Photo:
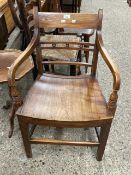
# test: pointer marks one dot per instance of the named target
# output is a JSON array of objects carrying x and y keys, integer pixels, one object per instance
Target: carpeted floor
[{"x": 66, "y": 160}]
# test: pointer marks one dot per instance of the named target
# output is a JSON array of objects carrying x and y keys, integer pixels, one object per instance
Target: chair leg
[
  {"x": 11, "y": 118},
  {"x": 46, "y": 66},
  {"x": 105, "y": 129},
  {"x": 23, "y": 42},
  {"x": 72, "y": 70},
  {"x": 32, "y": 130},
  {"x": 24, "y": 127},
  {"x": 86, "y": 39},
  {"x": 35, "y": 70},
  {"x": 52, "y": 68},
  {"x": 79, "y": 59}
]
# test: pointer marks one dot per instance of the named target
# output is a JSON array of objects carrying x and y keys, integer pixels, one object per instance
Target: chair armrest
[
  {"x": 114, "y": 70},
  {"x": 12, "y": 70}
]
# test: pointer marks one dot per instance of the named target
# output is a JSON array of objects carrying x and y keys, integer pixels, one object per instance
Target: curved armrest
[
  {"x": 109, "y": 62},
  {"x": 12, "y": 70},
  {"x": 112, "y": 103}
]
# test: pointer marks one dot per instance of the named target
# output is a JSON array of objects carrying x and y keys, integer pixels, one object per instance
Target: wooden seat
[
  {"x": 58, "y": 97},
  {"x": 66, "y": 101}
]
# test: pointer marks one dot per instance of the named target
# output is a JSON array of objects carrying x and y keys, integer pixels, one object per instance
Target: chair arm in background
[{"x": 14, "y": 67}]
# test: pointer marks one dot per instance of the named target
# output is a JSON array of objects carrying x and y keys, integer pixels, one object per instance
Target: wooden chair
[
  {"x": 7, "y": 58},
  {"x": 16, "y": 14},
  {"x": 66, "y": 101}
]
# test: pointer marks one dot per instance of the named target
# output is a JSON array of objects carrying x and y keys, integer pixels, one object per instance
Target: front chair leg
[
  {"x": 24, "y": 127},
  {"x": 16, "y": 103},
  {"x": 105, "y": 129},
  {"x": 11, "y": 118}
]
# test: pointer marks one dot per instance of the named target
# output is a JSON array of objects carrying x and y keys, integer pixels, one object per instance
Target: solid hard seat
[
  {"x": 56, "y": 54},
  {"x": 58, "y": 97},
  {"x": 7, "y": 57}
]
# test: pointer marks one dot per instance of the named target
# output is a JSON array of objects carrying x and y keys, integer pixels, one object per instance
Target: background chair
[
  {"x": 25, "y": 11},
  {"x": 66, "y": 101},
  {"x": 7, "y": 58}
]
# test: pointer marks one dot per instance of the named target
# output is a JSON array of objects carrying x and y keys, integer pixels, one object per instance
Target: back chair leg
[
  {"x": 105, "y": 129},
  {"x": 35, "y": 70},
  {"x": 86, "y": 39},
  {"x": 72, "y": 70},
  {"x": 24, "y": 127},
  {"x": 79, "y": 59}
]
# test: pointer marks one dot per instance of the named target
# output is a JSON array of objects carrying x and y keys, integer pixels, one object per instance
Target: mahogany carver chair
[
  {"x": 66, "y": 101},
  {"x": 7, "y": 58}
]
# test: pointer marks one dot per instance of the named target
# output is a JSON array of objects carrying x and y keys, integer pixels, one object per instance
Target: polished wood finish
[
  {"x": 3, "y": 32},
  {"x": 58, "y": 20},
  {"x": 66, "y": 101},
  {"x": 83, "y": 90}
]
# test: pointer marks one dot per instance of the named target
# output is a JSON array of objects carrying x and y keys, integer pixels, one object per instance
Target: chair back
[{"x": 67, "y": 20}]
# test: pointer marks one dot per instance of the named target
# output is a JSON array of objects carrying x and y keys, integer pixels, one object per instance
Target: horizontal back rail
[
  {"x": 68, "y": 45},
  {"x": 68, "y": 48},
  {"x": 68, "y": 20},
  {"x": 73, "y": 43}
]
